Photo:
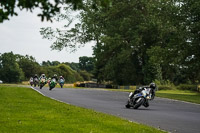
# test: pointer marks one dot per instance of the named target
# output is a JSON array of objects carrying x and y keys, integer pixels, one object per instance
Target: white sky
[{"x": 21, "y": 35}]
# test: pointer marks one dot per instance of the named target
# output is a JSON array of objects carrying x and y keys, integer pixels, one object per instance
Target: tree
[
  {"x": 65, "y": 71},
  {"x": 74, "y": 66},
  {"x": 48, "y": 8},
  {"x": 28, "y": 65},
  {"x": 9, "y": 69},
  {"x": 86, "y": 63},
  {"x": 139, "y": 41}
]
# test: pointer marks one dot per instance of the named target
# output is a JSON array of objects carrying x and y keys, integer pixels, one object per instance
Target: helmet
[
  {"x": 61, "y": 76},
  {"x": 43, "y": 75},
  {"x": 35, "y": 74},
  {"x": 152, "y": 85},
  {"x": 55, "y": 75}
]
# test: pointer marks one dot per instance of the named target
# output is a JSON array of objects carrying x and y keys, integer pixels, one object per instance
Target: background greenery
[
  {"x": 138, "y": 41},
  {"x": 15, "y": 68}
]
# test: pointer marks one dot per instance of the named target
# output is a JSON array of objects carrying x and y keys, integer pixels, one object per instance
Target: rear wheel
[{"x": 138, "y": 103}]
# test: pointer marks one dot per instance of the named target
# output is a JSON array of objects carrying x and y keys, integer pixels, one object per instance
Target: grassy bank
[
  {"x": 188, "y": 96},
  {"x": 24, "y": 110}
]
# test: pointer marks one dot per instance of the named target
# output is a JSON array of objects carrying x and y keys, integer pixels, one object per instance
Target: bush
[
  {"x": 165, "y": 87},
  {"x": 187, "y": 87}
]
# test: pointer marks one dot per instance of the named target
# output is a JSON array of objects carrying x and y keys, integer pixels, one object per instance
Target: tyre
[
  {"x": 128, "y": 104},
  {"x": 41, "y": 86},
  {"x": 146, "y": 104},
  {"x": 138, "y": 103}
]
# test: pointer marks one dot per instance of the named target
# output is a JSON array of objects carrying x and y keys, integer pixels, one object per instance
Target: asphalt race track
[{"x": 170, "y": 115}]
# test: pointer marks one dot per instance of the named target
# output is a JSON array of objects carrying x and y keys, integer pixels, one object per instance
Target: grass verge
[
  {"x": 188, "y": 96},
  {"x": 24, "y": 110}
]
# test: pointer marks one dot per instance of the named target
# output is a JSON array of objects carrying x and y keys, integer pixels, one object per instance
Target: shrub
[
  {"x": 187, "y": 87},
  {"x": 165, "y": 87}
]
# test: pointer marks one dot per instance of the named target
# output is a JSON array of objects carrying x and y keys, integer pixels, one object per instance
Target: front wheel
[
  {"x": 146, "y": 103},
  {"x": 128, "y": 104},
  {"x": 138, "y": 103},
  {"x": 41, "y": 86},
  {"x": 61, "y": 85}
]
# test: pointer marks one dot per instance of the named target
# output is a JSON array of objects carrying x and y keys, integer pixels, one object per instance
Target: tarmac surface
[{"x": 165, "y": 114}]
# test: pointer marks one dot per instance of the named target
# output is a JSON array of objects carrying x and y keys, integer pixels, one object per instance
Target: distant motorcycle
[
  {"x": 31, "y": 82},
  {"x": 140, "y": 97},
  {"x": 42, "y": 82},
  {"x": 52, "y": 84},
  {"x": 35, "y": 82},
  {"x": 61, "y": 82}
]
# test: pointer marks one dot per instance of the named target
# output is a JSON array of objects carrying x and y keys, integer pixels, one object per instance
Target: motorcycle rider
[
  {"x": 153, "y": 89},
  {"x": 35, "y": 76},
  {"x": 55, "y": 77},
  {"x": 48, "y": 81},
  {"x": 35, "y": 80},
  {"x": 42, "y": 76},
  {"x": 61, "y": 77},
  {"x": 31, "y": 81},
  {"x": 152, "y": 86}
]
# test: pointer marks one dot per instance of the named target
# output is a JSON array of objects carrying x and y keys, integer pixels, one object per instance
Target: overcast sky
[{"x": 21, "y": 35}]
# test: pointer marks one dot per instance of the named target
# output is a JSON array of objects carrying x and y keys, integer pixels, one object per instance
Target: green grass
[
  {"x": 188, "y": 96},
  {"x": 24, "y": 110}
]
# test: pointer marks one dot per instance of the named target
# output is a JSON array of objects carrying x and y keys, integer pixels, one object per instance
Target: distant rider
[
  {"x": 42, "y": 76},
  {"x": 55, "y": 77},
  {"x": 36, "y": 76},
  {"x": 48, "y": 81},
  {"x": 31, "y": 81},
  {"x": 61, "y": 78}
]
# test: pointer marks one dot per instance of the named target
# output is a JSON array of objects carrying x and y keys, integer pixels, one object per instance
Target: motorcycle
[
  {"x": 52, "y": 84},
  {"x": 42, "y": 82},
  {"x": 35, "y": 82},
  {"x": 31, "y": 82},
  {"x": 61, "y": 82},
  {"x": 140, "y": 97}
]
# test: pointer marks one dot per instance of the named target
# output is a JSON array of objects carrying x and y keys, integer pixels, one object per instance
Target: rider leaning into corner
[{"x": 152, "y": 86}]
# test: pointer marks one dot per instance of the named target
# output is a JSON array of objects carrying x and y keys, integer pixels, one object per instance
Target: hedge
[{"x": 187, "y": 87}]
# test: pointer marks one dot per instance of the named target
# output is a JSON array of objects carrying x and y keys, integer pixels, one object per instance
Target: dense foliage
[
  {"x": 16, "y": 68},
  {"x": 139, "y": 41},
  {"x": 48, "y": 8}
]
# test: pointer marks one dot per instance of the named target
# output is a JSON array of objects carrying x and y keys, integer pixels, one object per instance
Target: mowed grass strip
[
  {"x": 24, "y": 110},
  {"x": 188, "y": 96}
]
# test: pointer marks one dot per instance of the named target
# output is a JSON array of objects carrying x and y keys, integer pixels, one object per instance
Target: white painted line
[
  {"x": 38, "y": 91},
  {"x": 178, "y": 100},
  {"x": 48, "y": 96}
]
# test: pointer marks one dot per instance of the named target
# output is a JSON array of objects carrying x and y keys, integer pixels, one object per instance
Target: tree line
[
  {"x": 15, "y": 68},
  {"x": 138, "y": 41}
]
